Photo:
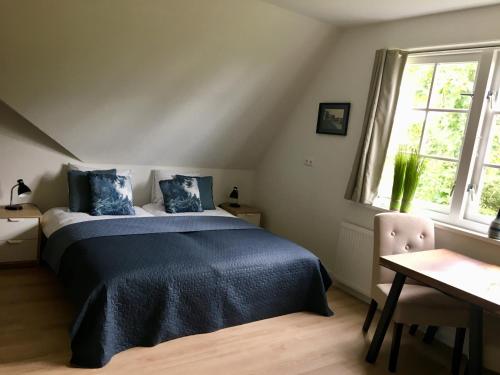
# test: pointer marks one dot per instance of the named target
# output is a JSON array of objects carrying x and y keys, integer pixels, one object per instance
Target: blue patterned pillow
[
  {"x": 110, "y": 195},
  {"x": 205, "y": 184},
  {"x": 181, "y": 195},
  {"x": 79, "y": 189}
]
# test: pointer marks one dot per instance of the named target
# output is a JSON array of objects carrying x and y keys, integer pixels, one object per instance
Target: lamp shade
[
  {"x": 234, "y": 194},
  {"x": 22, "y": 189},
  {"x": 233, "y": 197}
]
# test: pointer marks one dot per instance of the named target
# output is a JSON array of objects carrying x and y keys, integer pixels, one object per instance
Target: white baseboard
[{"x": 351, "y": 291}]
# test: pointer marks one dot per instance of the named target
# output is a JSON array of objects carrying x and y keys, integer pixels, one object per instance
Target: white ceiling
[{"x": 355, "y": 12}]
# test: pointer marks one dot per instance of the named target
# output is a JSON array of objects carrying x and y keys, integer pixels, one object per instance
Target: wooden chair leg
[
  {"x": 457, "y": 350},
  {"x": 413, "y": 329},
  {"x": 369, "y": 316},
  {"x": 429, "y": 334},
  {"x": 396, "y": 343}
]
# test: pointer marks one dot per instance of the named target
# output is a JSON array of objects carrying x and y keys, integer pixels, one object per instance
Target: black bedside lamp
[
  {"x": 233, "y": 197},
  {"x": 22, "y": 190}
]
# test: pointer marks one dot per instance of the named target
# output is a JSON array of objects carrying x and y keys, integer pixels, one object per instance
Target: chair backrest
[{"x": 398, "y": 233}]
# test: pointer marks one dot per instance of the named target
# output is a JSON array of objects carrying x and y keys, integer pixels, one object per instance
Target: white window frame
[
  {"x": 490, "y": 112},
  {"x": 477, "y": 133}
]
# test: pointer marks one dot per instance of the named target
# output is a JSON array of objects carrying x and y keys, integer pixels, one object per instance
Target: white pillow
[
  {"x": 164, "y": 174},
  {"x": 84, "y": 168}
]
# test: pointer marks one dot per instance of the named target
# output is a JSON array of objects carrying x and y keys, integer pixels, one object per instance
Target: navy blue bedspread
[{"x": 142, "y": 281}]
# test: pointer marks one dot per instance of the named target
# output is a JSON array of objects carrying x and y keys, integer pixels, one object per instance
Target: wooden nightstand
[
  {"x": 247, "y": 213},
  {"x": 20, "y": 236}
]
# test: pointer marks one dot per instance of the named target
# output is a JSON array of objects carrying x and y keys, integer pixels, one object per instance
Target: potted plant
[
  {"x": 414, "y": 168},
  {"x": 400, "y": 162}
]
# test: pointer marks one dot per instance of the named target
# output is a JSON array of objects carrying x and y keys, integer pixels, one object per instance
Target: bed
[{"x": 142, "y": 280}]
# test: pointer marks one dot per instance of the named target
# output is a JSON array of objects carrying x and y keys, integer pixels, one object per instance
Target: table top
[
  {"x": 243, "y": 209},
  {"x": 29, "y": 211},
  {"x": 452, "y": 273}
]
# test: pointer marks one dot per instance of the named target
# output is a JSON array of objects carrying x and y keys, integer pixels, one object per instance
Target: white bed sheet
[
  {"x": 58, "y": 217},
  {"x": 158, "y": 209}
]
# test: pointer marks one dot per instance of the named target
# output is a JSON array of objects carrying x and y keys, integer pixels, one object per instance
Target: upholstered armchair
[{"x": 397, "y": 233}]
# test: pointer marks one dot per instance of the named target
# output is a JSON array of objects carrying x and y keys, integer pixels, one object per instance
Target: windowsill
[
  {"x": 447, "y": 227},
  {"x": 466, "y": 232}
]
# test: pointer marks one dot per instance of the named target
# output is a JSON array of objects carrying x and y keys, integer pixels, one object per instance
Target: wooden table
[{"x": 456, "y": 275}]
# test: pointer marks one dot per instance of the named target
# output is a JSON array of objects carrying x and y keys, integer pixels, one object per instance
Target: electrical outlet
[{"x": 308, "y": 162}]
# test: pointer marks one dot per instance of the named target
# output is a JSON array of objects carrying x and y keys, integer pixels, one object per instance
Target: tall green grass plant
[
  {"x": 400, "y": 163},
  {"x": 415, "y": 166}
]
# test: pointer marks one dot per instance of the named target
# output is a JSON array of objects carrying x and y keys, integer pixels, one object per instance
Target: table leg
[
  {"x": 476, "y": 341},
  {"x": 385, "y": 319}
]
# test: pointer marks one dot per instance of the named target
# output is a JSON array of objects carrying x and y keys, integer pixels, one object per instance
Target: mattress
[
  {"x": 58, "y": 217},
  {"x": 158, "y": 209}
]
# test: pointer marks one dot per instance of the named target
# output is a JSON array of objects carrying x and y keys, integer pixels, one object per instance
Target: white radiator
[{"x": 352, "y": 265}]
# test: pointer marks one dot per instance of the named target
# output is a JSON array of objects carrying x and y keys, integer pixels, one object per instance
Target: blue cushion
[
  {"x": 110, "y": 195},
  {"x": 79, "y": 189},
  {"x": 181, "y": 194},
  {"x": 205, "y": 185}
]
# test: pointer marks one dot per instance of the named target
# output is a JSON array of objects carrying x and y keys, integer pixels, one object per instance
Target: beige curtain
[{"x": 380, "y": 109}]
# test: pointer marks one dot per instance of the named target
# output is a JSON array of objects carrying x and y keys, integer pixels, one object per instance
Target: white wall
[
  {"x": 169, "y": 82},
  {"x": 190, "y": 83},
  {"x": 306, "y": 204},
  {"x": 26, "y": 152}
]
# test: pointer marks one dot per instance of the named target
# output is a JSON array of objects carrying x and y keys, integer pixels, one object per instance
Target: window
[
  {"x": 448, "y": 110},
  {"x": 484, "y": 188}
]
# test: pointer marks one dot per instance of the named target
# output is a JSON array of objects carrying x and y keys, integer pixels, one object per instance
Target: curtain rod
[{"x": 452, "y": 48}]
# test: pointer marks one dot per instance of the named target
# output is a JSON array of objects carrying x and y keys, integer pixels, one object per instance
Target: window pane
[
  {"x": 489, "y": 202},
  {"x": 452, "y": 80},
  {"x": 385, "y": 186},
  {"x": 407, "y": 129},
  {"x": 415, "y": 86},
  {"x": 493, "y": 154},
  {"x": 444, "y": 132},
  {"x": 437, "y": 181}
]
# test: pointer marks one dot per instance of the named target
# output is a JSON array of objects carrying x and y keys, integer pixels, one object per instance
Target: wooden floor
[{"x": 34, "y": 321}]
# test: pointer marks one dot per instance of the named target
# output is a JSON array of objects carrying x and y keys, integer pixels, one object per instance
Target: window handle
[
  {"x": 467, "y": 94},
  {"x": 491, "y": 96},
  {"x": 471, "y": 189}
]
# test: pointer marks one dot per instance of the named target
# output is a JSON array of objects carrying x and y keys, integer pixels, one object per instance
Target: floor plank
[{"x": 35, "y": 316}]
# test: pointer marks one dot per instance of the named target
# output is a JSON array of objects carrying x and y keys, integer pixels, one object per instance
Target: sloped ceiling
[
  {"x": 158, "y": 82},
  {"x": 356, "y": 12}
]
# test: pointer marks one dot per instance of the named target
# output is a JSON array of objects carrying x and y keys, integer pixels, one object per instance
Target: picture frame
[{"x": 333, "y": 118}]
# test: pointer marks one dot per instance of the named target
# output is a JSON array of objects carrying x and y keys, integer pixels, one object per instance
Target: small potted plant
[
  {"x": 400, "y": 162},
  {"x": 415, "y": 166}
]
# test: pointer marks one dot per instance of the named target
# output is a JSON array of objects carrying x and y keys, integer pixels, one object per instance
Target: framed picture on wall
[{"x": 333, "y": 118}]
